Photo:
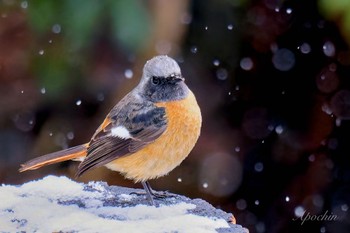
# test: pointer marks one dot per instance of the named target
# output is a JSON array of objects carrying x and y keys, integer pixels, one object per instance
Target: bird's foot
[
  {"x": 156, "y": 194},
  {"x": 151, "y": 193},
  {"x": 162, "y": 194}
]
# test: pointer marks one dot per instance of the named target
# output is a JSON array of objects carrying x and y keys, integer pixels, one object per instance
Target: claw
[{"x": 151, "y": 193}]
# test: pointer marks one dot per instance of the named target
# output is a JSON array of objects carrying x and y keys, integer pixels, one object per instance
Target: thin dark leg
[
  {"x": 149, "y": 193},
  {"x": 156, "y": 194}
]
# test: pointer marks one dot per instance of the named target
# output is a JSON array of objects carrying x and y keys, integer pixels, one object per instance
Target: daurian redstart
[{"x": 146, "y": 135}]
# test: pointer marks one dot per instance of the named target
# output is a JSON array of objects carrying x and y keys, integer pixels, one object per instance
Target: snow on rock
[{"x": 58, "y": 204}]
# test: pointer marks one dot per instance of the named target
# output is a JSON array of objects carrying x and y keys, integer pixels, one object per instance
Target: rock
[
  {"x": 58, "y": 204},
  {"x": 202, "y": 208}
]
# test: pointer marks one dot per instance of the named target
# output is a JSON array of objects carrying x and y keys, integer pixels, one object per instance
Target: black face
[{"x": 162, "y": 89}]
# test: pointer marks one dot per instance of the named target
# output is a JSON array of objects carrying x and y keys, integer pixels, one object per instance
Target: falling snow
[
  {"x": 194, "y": 49},
  {"x": 279, "y": 129},
  {"x": 205, "y": 185},
  {"x": 128, "y": 73},
  {"x": 216, "y": 62}
]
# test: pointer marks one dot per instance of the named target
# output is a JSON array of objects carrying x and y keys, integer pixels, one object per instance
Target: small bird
[{"x": 146, "y": 135}]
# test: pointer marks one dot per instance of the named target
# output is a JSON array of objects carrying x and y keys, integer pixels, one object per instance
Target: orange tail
[{"x": 55, "y": 157}]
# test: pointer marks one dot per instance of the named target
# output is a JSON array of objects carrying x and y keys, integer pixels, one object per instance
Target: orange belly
[{"x": 170, "y": 149}]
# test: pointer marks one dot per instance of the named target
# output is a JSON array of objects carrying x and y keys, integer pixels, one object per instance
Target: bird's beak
[{"x": 178, "y": 78}]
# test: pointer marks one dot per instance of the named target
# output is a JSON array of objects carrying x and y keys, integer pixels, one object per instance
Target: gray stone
[{"x": 203, "y": 208}]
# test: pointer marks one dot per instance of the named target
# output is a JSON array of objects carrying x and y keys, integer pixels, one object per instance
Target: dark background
[{"x": 272, "y": 79}]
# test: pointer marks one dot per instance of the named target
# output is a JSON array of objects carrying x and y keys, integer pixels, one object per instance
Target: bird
[{"x": 148, "y": 133}]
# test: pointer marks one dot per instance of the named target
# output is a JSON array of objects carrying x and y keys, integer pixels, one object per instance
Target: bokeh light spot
[
  {"x": 24, "y": 121},
  {"x": 299, "y": 211},
  {"x": 241, "y": 204},
  {"x": 283, "y": 59},
  {"x": 305, "y": 48},
  {"x": 246, "y": 63},
  {"x": 56, "y": 28},
  {"x": 327, "y": 81},
  {"x": 259, "y": 167},
  {"x": 329, "y": 49},
  {"x": 24, "y": 4},
  {"x": 340, "y": 104},
  {"x": 221, "y": 74},
  {"x": 220, "y": 174}
]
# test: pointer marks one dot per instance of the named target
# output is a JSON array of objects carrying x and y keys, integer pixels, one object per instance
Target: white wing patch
[{"x": 120, "y": 132}]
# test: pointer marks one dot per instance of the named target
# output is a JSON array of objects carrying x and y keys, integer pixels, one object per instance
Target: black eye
[{"x": 155, "y": 80}]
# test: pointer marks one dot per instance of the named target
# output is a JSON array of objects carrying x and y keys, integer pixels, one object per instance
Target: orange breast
[{"x": 170, "y": 149}]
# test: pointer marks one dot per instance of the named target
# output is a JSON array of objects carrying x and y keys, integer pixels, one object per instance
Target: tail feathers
[{"x": 73, "y": 153}]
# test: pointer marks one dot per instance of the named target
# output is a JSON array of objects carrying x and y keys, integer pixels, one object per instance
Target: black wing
[{"x": 145, "y": 123}]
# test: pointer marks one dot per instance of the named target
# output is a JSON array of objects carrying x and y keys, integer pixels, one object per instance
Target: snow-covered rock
[{"x": 58, "y": 204}]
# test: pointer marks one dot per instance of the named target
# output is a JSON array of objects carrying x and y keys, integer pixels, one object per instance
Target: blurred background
[{"x": 272, "y": 78}]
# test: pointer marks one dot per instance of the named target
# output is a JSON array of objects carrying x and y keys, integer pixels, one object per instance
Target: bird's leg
[
  {"x": 154, "y": 193},
  {"x": 149, "y": 192},
  {"x": 161, "y": 194}
]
